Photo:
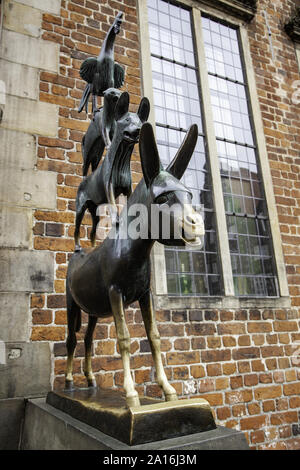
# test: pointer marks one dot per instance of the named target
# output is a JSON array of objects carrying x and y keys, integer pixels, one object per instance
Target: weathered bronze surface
[
  {"x": 102, "y": 72},
  {"x": 107, "y": 411},
  {"x": 113, "y": 177},
  {"x": 106, "y": 280},
  {"x": 100, "y": 131}
]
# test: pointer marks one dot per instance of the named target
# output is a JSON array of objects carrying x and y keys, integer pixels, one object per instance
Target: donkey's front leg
[
  {"x": 116, "y": 301},
  {"x": 147, "y": 310}
]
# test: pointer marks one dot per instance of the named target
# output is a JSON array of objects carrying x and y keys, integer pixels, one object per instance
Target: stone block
[
  {"x": 14, "y": 317},
  {"x": 20, "y": 80},
  {"x": 22, "y": 18},
  {"x": 18, "y": 150},
  {"x": 27, "y": 370},
  {"x": 47, "y": 428},
  {"x": 28, "y": 188},
  {"x": 26, "y": 271},
  {"x": 15, "y": 227},
  {"x": 27, "y": 50},
  {"x": 34, "y": 117},
  {"x": 50, "y": 6},
  {"x": 12, "y": 413}
]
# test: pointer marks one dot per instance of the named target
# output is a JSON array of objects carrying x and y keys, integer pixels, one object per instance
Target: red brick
[
  {"x": 223, "y": 413},
  {"x": 214, "y": 399},
  {"x": 255, "y": 422},
  {"x": 214, "y": 369},
  {"x": 216, "y": 355},
  {"x": 291, "y": 388},
  {"x": 259, "y": 327},
  {"x": 267, "y": 392},
  {"x": 183, "y": 358},
  {"x": 197, "y": 371},
  {"x": 47, "y": 333},
  {"x": 284, "y": 418},
  {"x": 231, "y": 329},
  {"x": 238, "y": 396}
]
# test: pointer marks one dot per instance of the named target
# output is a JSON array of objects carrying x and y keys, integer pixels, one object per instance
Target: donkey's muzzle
[
  {"x": 193, "y": 229},
  {"x": 132, "y": 137}
]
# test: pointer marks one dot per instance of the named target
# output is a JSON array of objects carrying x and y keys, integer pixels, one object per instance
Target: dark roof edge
[{"x": 242, "y": 9}]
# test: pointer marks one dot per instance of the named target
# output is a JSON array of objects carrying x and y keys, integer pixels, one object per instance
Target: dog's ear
[
  {"x": 122, "y": 106},
  {"x": 144, "y": 109}
]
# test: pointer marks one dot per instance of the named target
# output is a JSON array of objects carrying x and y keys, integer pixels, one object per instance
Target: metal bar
[
  {"x": 226, "y": 78},
  {"x": 235, "y": 142},
  {"x": 174, "y": 128},
  {"x": 173, "y": 61}
]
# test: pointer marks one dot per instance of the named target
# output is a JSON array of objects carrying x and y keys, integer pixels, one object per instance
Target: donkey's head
[
  {"x": 169, "y": 201},
  {"x": 129, "y": 124}
]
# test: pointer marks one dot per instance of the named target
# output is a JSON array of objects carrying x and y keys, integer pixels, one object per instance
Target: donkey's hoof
[
  {"x": 92, "y": 383},
  {"x": 69, "y": 385},
  {"x": 133, "y": 401},
  {"x": 171, "y": 397}
]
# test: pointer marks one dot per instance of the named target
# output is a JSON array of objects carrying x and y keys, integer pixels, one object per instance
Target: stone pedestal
[{"x": 48, "y": 428}]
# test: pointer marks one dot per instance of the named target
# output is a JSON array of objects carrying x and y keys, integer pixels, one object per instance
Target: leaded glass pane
[
  {"x": 178, "y": 106},
  {"x": 247, "y": 217}
]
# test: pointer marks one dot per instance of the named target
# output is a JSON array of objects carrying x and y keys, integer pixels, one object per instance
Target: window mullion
[
  {"x": 159, "y": 279},
  {"x": 213, "y": 158}
]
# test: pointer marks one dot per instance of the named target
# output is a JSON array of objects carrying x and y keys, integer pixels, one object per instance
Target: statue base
[
  {"x": 107, "y": 411},
  {"x": 47, "y": 428}
]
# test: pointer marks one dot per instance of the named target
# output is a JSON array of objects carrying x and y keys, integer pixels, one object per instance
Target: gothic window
[{"x": 198, "y": 76}]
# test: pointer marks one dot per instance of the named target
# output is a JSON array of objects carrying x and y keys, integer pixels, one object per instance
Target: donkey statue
[
  {"x": 106, "y": 280},
  {"x": 100, "y": 131},
  {"x": 113, "y": 176}
]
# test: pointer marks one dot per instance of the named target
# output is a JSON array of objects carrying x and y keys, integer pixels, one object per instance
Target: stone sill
[
  {"x": 235, "y": 8},
  {"x": 181, "y": 303}
]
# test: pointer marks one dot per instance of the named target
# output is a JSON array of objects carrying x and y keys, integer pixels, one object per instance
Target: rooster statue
[{"x": 102, "y": 72}]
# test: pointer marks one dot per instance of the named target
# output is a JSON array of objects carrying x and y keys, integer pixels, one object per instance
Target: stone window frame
[
  {"x": 297, "y": 46},
  {"x": 159, "y": 280}
]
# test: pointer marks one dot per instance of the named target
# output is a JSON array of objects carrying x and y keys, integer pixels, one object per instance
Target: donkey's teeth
[{"x": 192, "y": 242}]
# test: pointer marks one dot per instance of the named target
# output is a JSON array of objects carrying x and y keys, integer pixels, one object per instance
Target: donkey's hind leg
[
  {"x": 146, "y": 304},
  {"x": 88, "y": 343},
  {"x": 74, "y": 321}
]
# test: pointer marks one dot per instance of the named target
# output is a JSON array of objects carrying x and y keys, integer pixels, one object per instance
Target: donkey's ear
[
  {"x": 122, "y": 106},
  {"x": 144, "y": 109},
  {"x": 149, "y": 154},
  {"x": 182, "y": 158}
]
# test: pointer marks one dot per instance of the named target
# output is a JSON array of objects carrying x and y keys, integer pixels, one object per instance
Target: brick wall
[{"x": 241, "y": 361}]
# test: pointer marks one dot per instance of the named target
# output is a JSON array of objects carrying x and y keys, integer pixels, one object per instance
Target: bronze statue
[
  {"x": 113, "y": 177},
  {"x": 106, "y": 280},
  {"x": 102, "y": 72},
  {"x": 100, "y": 132}
]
